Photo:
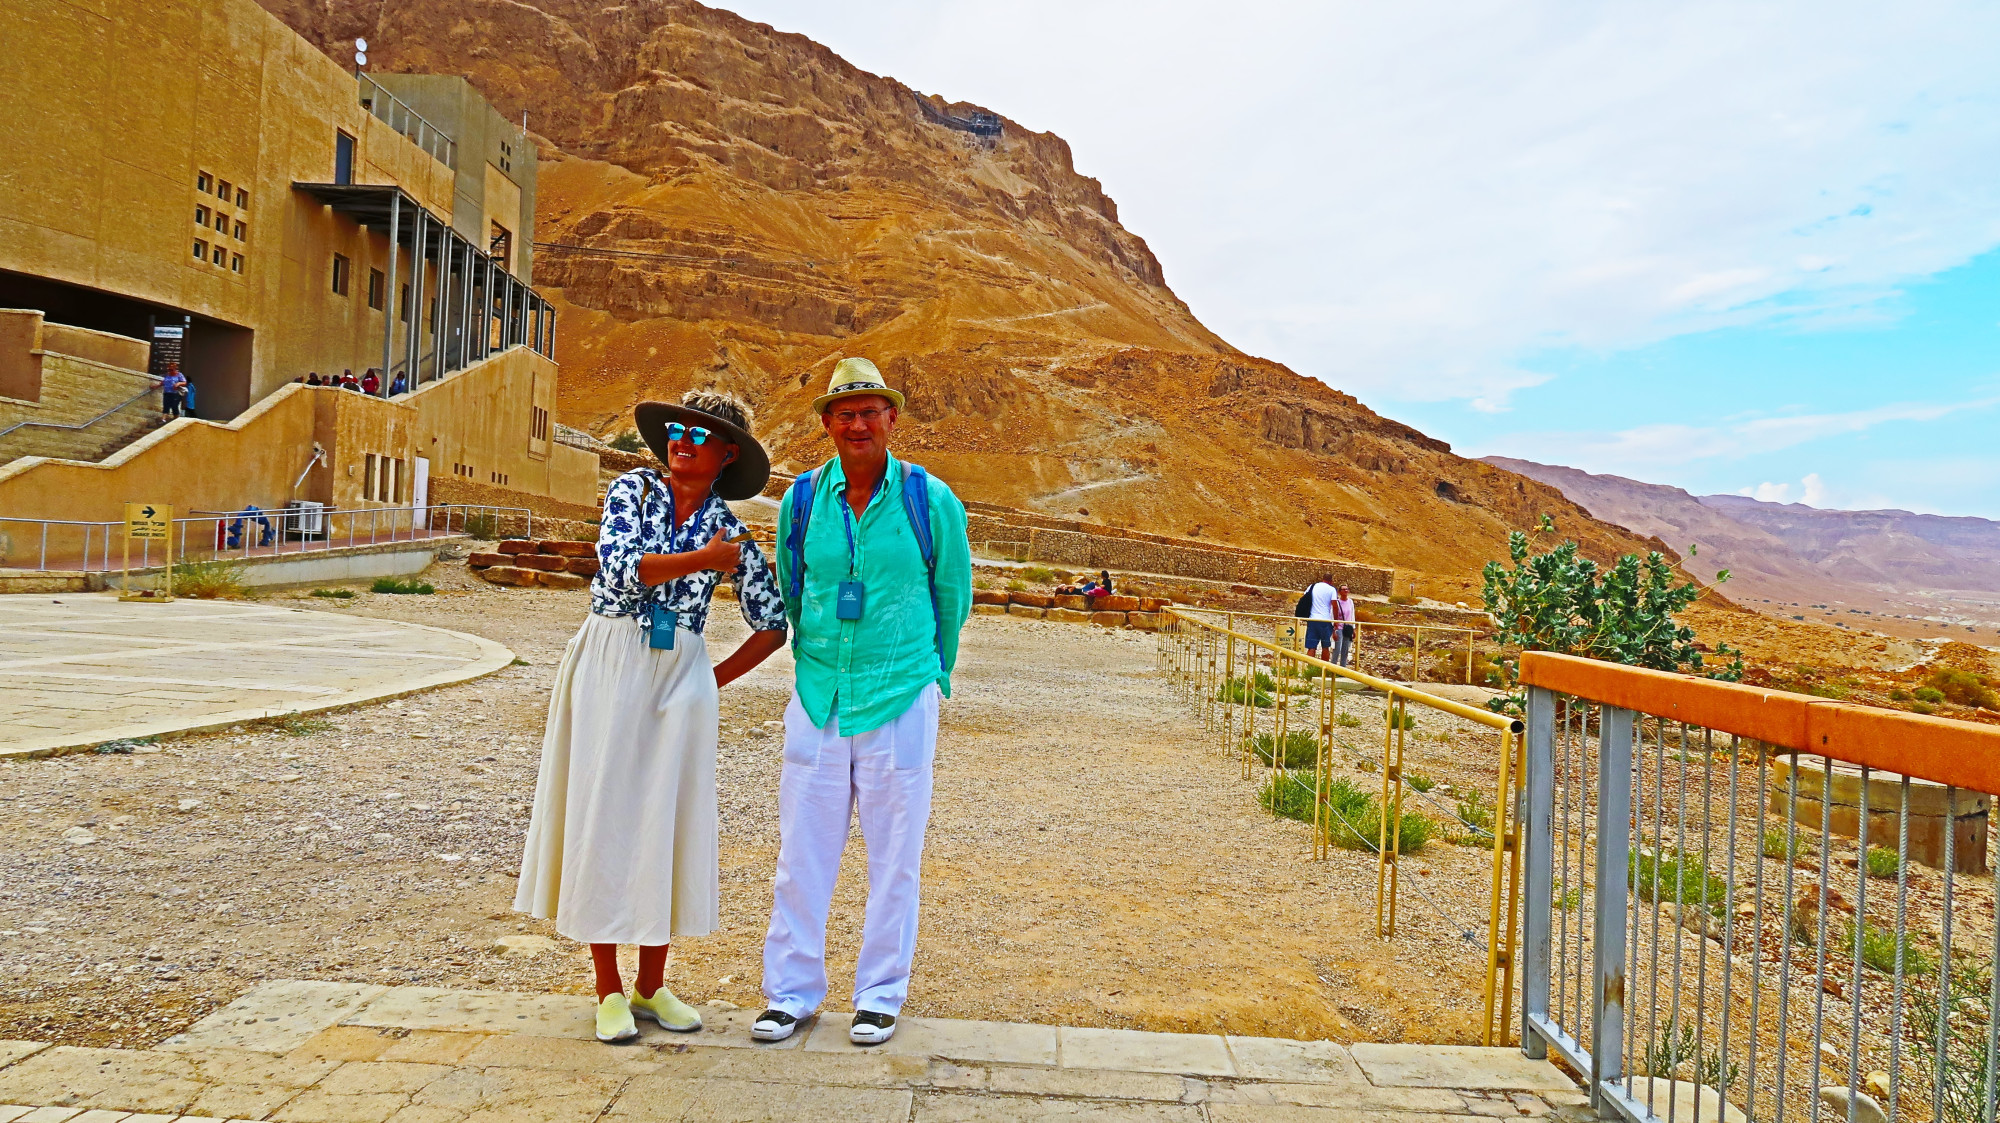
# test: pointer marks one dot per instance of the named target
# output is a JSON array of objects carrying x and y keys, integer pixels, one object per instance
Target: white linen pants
[{"x": 886, "y": 774}]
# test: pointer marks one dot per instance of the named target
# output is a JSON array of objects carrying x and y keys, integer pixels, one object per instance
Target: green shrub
[
  {"x": 1675, "y": 877},
  {"x": 1961, "y": 688},
  {"x": 1038, "y": 575},
  {"x": 1882, "y": 862},
  {"x": 1017, "y": 585},
  {"x": 1676, "y": 1054},
  {"x": 1400, "y": 599},
  {"x": 393, "y": 585},
  {"x": 484, "y": 526},
  {"x": 628, "y": 441},
  {"x": 209, "y": 580},
  {"x": 1899, "y": 695},
  {"x": 1354, "y": 816},
  {"x": 1237, "y": 692},
  {"x": 1288, "y": 795},
  {"x": 1347, "y": 721},
  {"x": 336, "y": 594},
  {"x": 1781, "y": 844},
  {"x": 1362, "y": 832},
  {"x": 1301, "y": 749},
  {"x": 304, "y": 725},
  {"x": 1419, "y": 781},
  {"x": 1475, "y": 815},
  {"x": 1878, "y": 951},
  {"x": 1929, "y": 694}
]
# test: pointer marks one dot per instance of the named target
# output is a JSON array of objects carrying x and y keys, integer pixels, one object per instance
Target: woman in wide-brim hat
[{"x": 622, "y": 844}]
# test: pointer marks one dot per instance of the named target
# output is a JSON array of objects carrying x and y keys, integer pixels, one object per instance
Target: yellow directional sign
[{"x": 148, "y": 520}]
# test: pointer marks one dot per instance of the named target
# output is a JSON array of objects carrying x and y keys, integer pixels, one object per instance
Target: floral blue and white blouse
[{"x": 639, "y": 520}]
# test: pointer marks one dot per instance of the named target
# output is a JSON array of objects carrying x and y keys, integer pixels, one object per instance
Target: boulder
[
  {"x": 1031, "y": 600},
  {"x": 989, "y": 610},
  {"x": 509, "y": 575},
  {"x": 1148, "y": 621},
  {"x": 1152, "y": 604},
  {"x": 1027, "y": 610},
  {"x": 1074, "y": 603},
  {"x": 567, "y": 549},
  {"x": 524, "y": 945},
  {"x": 1117, "y": 604},
  {"x": 585, "y": 566},
  {"x": 517, "y": 546},
  {"x": 1109, "y": 619},
  {"x": 545, "y": 562},
  {"x": 1068, "y": 616},
  {"x": 563, "y": 581},
  {"x": 482, "y": 560},
  {"x": 989, "y": 596}
]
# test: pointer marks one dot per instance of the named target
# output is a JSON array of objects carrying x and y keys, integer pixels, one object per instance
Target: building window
[
  {"x": 242, "y": 199},
  {"x": 340, "y": 274},
  {"x": 403, "y": 305},
  {"x": 238, "y": 232},
  {"x": 376, "y": 284},
  {"x": 223, "y": 191},
  {"x": 200, "y": 250},
  {"x": 236, "y": 263},
  {"x": 201, "y": 216},
  {"x": 203, "y": 182},
  {"x": 218, "y": 255},
  {"x": 538, "y": 423},
  {"x": 368, "y": 477},
  {"x": 221, "y": 223},
  {"x": 499, "y": 241},
  {"x": 343, "y": 158}
]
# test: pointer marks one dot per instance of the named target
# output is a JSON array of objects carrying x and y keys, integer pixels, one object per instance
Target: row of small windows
[
  {"x": 377, "y": 284},
  {"x": 234, "y": 227},
  {"x": 218, "y": 254},
  {"x": 384, "y": 481},
  {"x": 538, "y": 424},
  {"x": 206, "y": 183}
]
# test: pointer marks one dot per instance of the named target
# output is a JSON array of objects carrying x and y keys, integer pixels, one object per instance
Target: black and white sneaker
[
  {"x": 773, "y": 1025},
  {"x": 871, "y": 1028}
]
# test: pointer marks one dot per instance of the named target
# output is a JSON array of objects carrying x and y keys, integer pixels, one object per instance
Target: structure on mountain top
[
  {"x": 198, "y": 184},
  {"x": 980, "y": 122}
]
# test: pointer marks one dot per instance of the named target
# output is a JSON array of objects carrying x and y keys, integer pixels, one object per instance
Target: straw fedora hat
[
  {"x": 720, "y": 413},
  {"x": 851, "y": 379}
]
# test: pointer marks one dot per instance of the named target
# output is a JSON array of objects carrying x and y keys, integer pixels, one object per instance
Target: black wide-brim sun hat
[{"x": 742, "y": 478}]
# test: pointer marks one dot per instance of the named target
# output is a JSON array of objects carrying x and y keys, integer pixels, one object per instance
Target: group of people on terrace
[
  {"x": 871, "y": 581},
  {"x": 369, "y": 383}
]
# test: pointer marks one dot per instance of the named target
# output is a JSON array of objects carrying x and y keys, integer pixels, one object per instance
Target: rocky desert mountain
[{"x": 723, "y": 202}]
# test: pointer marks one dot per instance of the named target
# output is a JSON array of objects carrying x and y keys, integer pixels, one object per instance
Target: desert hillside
[{"x": 720, "y": 201}]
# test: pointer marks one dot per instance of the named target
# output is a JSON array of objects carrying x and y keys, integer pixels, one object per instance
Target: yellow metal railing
[
  {"x": 1221, "y": 671},
  {"x": 1361, "y": 627}
]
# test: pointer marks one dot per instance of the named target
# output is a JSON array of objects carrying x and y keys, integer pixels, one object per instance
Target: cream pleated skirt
[{"x": 622, "y": 843}]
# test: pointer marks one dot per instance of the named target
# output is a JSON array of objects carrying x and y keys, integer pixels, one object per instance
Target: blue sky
[{"x": 1715, "y": 244}]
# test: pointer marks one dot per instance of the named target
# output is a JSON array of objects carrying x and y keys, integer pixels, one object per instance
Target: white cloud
[
  {"x": 1812, "y": 491},
  {"x": 1407, "y": 199}
]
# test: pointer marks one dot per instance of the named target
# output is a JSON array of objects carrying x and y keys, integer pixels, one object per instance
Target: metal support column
[
  {"x": 389, "y": 293},
  {"x": 438, "y": 305},
  {"x": 415, "y": 332},
  {"x": 465, "y": 288},
  {"x": 1614, "y": 845},
  {"x": 1537, "y": 827}
]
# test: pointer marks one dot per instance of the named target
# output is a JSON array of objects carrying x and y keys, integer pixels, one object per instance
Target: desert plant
[
  {"x": 304, "y": 725},
  {"x": 1364, "y": 831},
  {"x": 484, "y": 526},
  {"x": 1882, "y": 862},
  {"x": 1781, "y": 844},
  {"x": 335, "y": 594},
  {"x": 208, "y": 580},
  {"x": 628, "y": 441},
  {"x": 1878, "y": 951},
  {"x": 1017, "y": 585},
  {"x": 1675, "y": 877},
  {"x": 1475, "y": 814},
  {"x": 1899, "y": 695},
  {"x": 1402, "y": 599},
  {"x": 1237, "y": 692},
  {"x": 1676, "y": 1054},
  {"x": 1961, "y": 1065},
  {"x": 1961, "y": 688},
  {"x": 1301, "y": 749},
  {"x": 1288, "y": 795},
  {"x": 398, "y": 586},
  {"x": 1562, "y": 601},
  {"x": 1929, "y": 694},
  {"x": 1419, "y": 781},
  {"x": 1038, "y": 574},
  {"x": 1347, "y": 721}
]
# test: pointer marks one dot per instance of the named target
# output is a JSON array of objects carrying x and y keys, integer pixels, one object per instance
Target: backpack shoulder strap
[
  {"x": 795, "y": 536},
  {"x": 917, "y": 505}
]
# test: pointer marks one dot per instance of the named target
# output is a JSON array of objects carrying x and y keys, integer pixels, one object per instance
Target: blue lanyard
[{"x": 847, "y": 521}]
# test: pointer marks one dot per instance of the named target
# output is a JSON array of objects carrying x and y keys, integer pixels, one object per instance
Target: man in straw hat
[{"x": 877, "y": 578}]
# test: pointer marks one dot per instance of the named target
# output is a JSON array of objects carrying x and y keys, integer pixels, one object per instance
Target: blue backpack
[{"x": 916, "y": 505}]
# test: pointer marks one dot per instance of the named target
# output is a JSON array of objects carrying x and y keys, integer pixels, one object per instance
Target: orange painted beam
[{"x": 1931, "y": 748}]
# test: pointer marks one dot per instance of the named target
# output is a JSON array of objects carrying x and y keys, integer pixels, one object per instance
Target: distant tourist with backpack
[
  {"x": 877, "y": 575},
  {"x": 1343, "y": 615},
  {"x": 1317, "y": 607},
  {"x": 622, "y": 845}
]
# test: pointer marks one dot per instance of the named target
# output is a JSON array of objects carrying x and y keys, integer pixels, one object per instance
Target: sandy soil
[{"x": 1089, "y": 862}]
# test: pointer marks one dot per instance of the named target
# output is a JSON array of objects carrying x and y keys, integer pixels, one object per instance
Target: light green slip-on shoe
[
  {"x": 614, "y": 1020},
  {"x": 670, "y": 1012}
]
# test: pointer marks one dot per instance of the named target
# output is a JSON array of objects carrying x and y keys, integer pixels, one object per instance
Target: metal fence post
[
  {"x": 1614, "y": 819},
  {"x": 1537, "y": 827}
]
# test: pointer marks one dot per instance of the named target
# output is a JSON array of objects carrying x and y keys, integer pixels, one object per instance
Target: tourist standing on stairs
[
  {"x": 1319, "y": 618},
  {"x": 877, "y": 575},
  {"x": 622, "y": 844},
  {"x": 173, "y": 392}
]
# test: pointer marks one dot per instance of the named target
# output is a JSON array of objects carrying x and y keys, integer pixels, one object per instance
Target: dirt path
[{"x": 1088, "y": 864}]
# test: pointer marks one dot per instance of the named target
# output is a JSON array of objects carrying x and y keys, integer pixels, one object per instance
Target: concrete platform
[
  {"x": 80, "y": 669},
  {"x": 315, "y": 1052}
]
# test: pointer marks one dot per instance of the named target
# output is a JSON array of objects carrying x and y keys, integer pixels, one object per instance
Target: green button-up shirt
[{"x": 870, "y": 670}]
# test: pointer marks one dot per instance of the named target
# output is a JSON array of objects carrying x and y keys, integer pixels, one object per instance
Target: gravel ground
[{"x": 1090, "y": 862}]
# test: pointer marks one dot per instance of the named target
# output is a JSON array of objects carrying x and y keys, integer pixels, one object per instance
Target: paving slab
[
  {"x": 1097, "y": 1084},
  {"x": 276, "y": 1017},
  {"x": 1244, "y": 1113},
  {"x": 1003, "y": 1042},
  {"x": 1140, "y": 1051},
  {"x": 728, "y": 1029},
  {"x": 11, "y": 1051},
  {"x": 475, "y": 1011},
  {"x": 1274, "y": 1058},
  {"x": 959, "y": 1107},
  {"x": 1473, "y": 1067},
  {"x": 84, "y": 668},
  {"x": 733, "y": 1101}
]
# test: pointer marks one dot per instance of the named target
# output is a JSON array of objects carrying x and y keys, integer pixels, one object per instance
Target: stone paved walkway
[
  {"x": 84, "y": 668},
  {"x": 316, "y": 1052}
]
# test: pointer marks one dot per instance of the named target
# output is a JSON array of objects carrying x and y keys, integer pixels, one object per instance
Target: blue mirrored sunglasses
[{"x": 697, "y": 434}]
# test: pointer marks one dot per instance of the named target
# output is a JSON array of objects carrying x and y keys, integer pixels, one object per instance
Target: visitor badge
[
  {"x": 847, "y": 602},
  {"x": 661, "y": 627}
]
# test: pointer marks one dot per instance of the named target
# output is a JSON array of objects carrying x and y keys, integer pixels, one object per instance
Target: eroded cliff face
[{"x": 720, "y": 202}]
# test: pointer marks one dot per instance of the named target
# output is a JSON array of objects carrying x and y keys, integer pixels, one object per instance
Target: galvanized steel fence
[{"x": 1741, "y": 903}]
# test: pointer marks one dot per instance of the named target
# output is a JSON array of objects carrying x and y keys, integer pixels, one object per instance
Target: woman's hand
[
  {"x": 755, "y": 650},
  {"x": 720, "y": 553}
]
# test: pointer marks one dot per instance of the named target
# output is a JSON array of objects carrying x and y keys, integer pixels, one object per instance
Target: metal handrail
[
  {"x": 450, "y": 156},
  {"x": 1416, "y": 646},
  {"x": 85, "y": 425},
  {"x": 1203, "y": 657}
]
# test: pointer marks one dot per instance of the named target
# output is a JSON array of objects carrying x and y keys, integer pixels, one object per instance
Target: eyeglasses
[
  {"x": 849, "y": 416},
  {"x": 695, "y": 433}
]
